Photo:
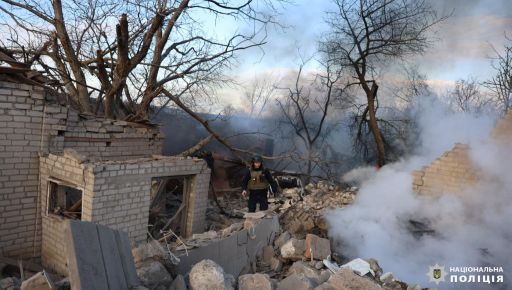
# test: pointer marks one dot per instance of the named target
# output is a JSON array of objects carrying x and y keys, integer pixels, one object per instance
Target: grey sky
[{"x": 462, "y": 48}]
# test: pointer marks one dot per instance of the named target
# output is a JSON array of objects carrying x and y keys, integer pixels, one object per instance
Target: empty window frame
[{"x": 64, "y": 199}]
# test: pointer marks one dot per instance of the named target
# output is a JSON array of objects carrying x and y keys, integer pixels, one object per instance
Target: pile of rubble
[
  {"x": 300, "y": 257},
  {"x": 288, "y": 263},
  {"x": 303, "y": 210}
]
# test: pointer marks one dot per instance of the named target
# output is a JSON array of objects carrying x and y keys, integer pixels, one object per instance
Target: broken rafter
[
  {"x": 203, "y": 122},
  {"x": 206, "y": 125},
  {"x": 197, "y": 147}
]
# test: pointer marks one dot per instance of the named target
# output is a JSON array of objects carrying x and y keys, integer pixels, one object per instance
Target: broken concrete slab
[
  {"x": 241, "y": 250},
  {"x": 39, "y": 281},
  {"x": 296, "y": 282},
  {"x": 317, "y": 248},
  {"x": 293, "y": 249},
  {"x": 98, "y": 257},
  {"x": 254, "y": 281}
]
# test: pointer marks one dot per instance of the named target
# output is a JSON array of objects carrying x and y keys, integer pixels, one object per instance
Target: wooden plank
[
  {"x": 84, "y": 256},
  {"x": 125, "y": 252},
  {"x": 111, "y": 259}
]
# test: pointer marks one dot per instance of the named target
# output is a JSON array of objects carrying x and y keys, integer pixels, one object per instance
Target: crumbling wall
[
  {"x": 122, "y": 193},
  {"x": 117, "y": 194},
  {"x": 454, "y": 172},
  {"x": 108, "y": 139},
  {"x": 451, "y": 173}
]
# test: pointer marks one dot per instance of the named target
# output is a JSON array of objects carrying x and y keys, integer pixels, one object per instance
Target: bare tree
[
  {"x": 501, "y": 83},
  {"x": 364, "y": 34},
  {"x": 258, "y": 94},
  {"x": 306, "y": 109},
  {"x": 414, "y": 86},
  {"x": 466, "y": 96},
  {"x": 156, "y": 45}
]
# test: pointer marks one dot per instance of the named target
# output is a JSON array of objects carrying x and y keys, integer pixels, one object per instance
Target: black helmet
[{"x": 257, "y": 158}]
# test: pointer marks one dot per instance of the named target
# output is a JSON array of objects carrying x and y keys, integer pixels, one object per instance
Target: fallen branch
[
  {"x": 197, "y": 147},
  {"x": 214, "y": 134},
  {"x": 203, "y": 122}
]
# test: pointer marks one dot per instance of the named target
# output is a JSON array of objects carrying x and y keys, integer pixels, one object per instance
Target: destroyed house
[{"x": 58, "y": 164}]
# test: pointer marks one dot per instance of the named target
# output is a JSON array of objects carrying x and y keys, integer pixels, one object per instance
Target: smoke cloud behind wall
[{"x": 472, "y": 229}]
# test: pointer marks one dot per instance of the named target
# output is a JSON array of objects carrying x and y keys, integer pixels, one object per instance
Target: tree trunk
[
  {"x": 374, "y": 127},
  {"x": 309, "y": 165},
  {"x": 63, "y": 36}
]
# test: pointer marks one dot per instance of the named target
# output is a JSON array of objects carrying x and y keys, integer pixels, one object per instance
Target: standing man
[{"x": 257, "y": 180}]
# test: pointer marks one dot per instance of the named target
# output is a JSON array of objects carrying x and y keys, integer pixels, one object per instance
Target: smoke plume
[{"x": 470, "y": 229}]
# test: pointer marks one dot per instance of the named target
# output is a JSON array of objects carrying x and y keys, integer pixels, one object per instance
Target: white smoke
[{"x": 472, "y": 229}]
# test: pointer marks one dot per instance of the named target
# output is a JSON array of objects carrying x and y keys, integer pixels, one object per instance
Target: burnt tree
[{"x": 365, "y": 34}]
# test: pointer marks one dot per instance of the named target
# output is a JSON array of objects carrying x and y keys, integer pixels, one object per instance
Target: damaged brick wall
[
  {"x": 117, "y": 194},
  {"x": 110, "y": 139},
  {"x": 454, "y": 171},
  {"x": 122, "y": 193},
  {"x": 451, "y": 173},
  {"x": 33, "y": 123}
]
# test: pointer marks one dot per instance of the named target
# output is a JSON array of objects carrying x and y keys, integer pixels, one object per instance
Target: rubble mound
[{"x": 303, "y": 210}]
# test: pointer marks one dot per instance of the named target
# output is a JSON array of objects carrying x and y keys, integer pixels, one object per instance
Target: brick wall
[
  {"x": 33, "y": 124},
  {"x": 117, "y": 194},
  {"x": 451, "y": 173},
  {"x": 107, "y": 139},
  {"x": 454, "y": 172},
  {"x": 122, "y": 193},
  {"x": 22, "y": 138},
  {"x": 65, "y": 168}
]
